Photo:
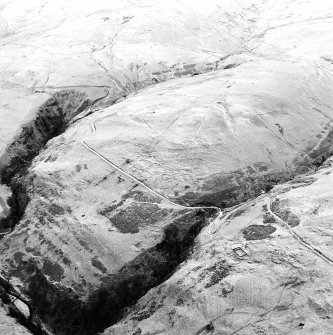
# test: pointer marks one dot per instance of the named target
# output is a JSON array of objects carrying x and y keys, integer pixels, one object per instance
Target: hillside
[{"x": 165, "y": 166}]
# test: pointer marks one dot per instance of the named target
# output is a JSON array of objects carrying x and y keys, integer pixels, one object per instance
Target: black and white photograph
[{"x": 166, "y": 167}]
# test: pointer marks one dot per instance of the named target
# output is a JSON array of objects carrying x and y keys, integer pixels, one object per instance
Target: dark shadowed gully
[
  {"x": 60, "y": 308},
  {"x": 50, "y": 121},
  {"x": 65, "y": 313}
]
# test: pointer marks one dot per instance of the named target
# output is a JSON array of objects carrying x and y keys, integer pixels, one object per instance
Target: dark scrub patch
[
  {"x": 55, "y": 210},
  {"x": 85, "y": 245},
  {"x": 303, "y": 181},
  {"x": 324, "y": 150},
  {"x": 148, "y": 311},
  {"x": 218, "y": 272},
  {"x": 44, "y": 218},
  {"x": 208, "y": 328},
  {"x": 33, "y": 251},
  {"x": 269, "y": 218},
  {"x": 285, "y": 214},
  {"x": 142, "y": 196},
  {"x": 231, "y": 66},
  {"x": 66, "y": 261},
  {"x": 226, "y": 291},
  {"x": 230, "y": 189},
  {"x": 53, "y": 270},
  {"x": 106, "y": 211},
  {"x": 18, "y": 257},
  {"x": 319, "y": 154},
  {"x": 99, "y": 265},
  {"x": 258, "y": 232},
  {"x": 135, "y": 216}
]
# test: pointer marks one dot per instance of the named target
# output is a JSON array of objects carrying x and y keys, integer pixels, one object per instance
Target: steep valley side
[
  {"x": 61, "y": 308},
  {"x": 171, "y": 169}
]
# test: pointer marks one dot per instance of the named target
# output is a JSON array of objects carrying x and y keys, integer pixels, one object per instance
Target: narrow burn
[
  {"x": 65, "y": 313},
  {"x": 51, "y": 120}
]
